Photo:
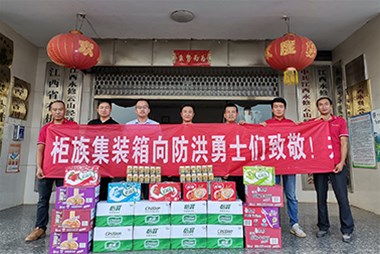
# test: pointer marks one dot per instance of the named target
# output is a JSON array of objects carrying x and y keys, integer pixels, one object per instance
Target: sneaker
[
  {"x": 297, "y": 231},
  {"x": 322, "y": 233},
  {"x": 36, "y": 234},
  {"x": 347, "y": 238}
]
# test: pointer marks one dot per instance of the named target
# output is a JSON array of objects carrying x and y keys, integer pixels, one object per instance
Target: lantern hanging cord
[
  {"x": 287, "y": 22},
  {"x": 82, "y": 17}
]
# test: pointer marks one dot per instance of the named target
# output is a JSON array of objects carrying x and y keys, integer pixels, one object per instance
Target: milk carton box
[
  {"x": 72, "y": 242},
  {"x": 110, "y": 239},
  {"x": 259, "y": 175},
  {"x": 152, "y": 213},
  {"x": 68, "y": 197},
  {"x": 266, "y": 196},
  {"x": 151, "y": 237},
  {"x": 114, "y": 214},
  {"x": 261, "y": 216},
  {"x": 225, "y": 212},
  {"x": 72, "y": 220},
  {"x": 263, "y": 238},
  {"x": 224, "y": 237},
  {"x": 189, "y": 213},
  {"x": 124, "y": 192},
  {"x": 188, "y": 237}
]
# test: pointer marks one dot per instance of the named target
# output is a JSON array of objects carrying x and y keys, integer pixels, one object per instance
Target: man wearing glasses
[{"x": 142, "y": 110}]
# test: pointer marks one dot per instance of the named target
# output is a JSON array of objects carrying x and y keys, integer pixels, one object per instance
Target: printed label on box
[
  {"x": 225, "y": 213},
  {"x": 63, "y": 242},
  {"x": 195, "y": 191},
  {"x": 223, "y": 191},
  {"x": 188, "y": 213},
  {"x": 68, "y": 197},
  {"x": 189, "y": 237},
  {"x": 152, "y": 213},
  {"x": 263, "y": 238},
  {"x": 111, "y": 239},
  {"x": 151, "y": 238},
  {"x": 72, "y": 220},
  {"x": 224, "y": 237},
  {"x": 124, "y": 192},
  {"x": 261, "y": 216},
  {"x": 265, "y": 196},
  {"x": 114, "y": 214},
  {"x": 259, "y": 175},
  {"x": 167, "y": 191}
]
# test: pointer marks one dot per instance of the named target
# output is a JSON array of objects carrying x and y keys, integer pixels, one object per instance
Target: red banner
[
  {"x": 192, "y": 58},
  {"x": 290, "y": 148}
]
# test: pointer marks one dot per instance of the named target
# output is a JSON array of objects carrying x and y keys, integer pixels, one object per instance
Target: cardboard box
[
  {"x": 263, "y": 238},
  {"x": 72, "y": 220},
  {"x": 224, "y": 237},
  {"x": 259, "y": 175},
  {"x": 112, "y": 239},
  {"x": 223, "y": 191},
  {"x": 189, "y": 237},
  {"x": 189, "y": 213},
  {"x": 124, "y": 192},
  {"x": 195, "y": 191},
  {"x": 151, "y": 237},
  {"x": 261, "y": 217},
  {"x": 82, "y": 175},
  {"x": 114, "y": 214},
  {"x": 225, "y": 213},
  {"x": 152, "y": 213},
  {"x": 266, "y": 196},
  {"x": 63, "y": 242},
  {"x": 68, "y": 197},
  {"x": 167, "y": 191}
]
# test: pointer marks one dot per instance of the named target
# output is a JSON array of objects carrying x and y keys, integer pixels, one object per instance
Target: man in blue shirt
[{"x": 142, "y": 110}]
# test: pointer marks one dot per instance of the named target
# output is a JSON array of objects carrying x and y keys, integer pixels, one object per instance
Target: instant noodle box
[
  {"x": 68, "y": 197},
  {"x": 263, "y": 238},
  {"x": 259, "y": 175},
  {"x": 112, "y": 239},
  {"x": 188, "y": 213},
  {"x": 195, "y": 191},
  {"x": 63, "y": 242},
  {"x": 114, "y": 214},
  {"x": 124, "y": 192},
  {"x": 72, "y": 220},
  {"x": 266, "y": 196},
  {"x": 152, "y": 213},
  {"x": 188, "y": 237},
  {"x": 81, "y": 176},
  {"x": 225, "y": 213},
  {"x": 224, "y": 237},
  {"x": 261, "y": 216},
  {"x": 151, "y": 237},
  {"x": 223, "y": 191},
  {"x": 167, "y": 191}
]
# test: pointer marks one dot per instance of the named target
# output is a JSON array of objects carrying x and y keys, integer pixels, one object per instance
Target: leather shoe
[{"x": 36, "y": 234}]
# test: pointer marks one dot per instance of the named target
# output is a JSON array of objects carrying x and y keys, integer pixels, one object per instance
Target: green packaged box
[
  {"x": 259, "y": 175},
  {"x": 152, "y": 213},
  {"x": 188, "y": 237},
  {"x": 225, "y": 212},
  {"x": 151, "y": 237},
  {"x": 114, "y": 214},
  {"x": 111, "y": 239},
  {"x": 224, "y": 237},
  {"x": 189, "y": 213}
]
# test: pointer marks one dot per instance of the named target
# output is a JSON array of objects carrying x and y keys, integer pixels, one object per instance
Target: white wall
[
  {"x": 24, "y": 64},
  {"x": 365, "y": 41}
]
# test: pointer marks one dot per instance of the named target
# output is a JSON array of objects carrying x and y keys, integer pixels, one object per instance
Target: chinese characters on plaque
[{"x": 192, "y": 58}]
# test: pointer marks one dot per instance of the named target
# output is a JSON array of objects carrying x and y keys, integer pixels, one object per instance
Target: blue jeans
[
  {"x": 45, "y": 187},
  {"x": 339, "y": 184},
  {"x": 289, "y": 185}
]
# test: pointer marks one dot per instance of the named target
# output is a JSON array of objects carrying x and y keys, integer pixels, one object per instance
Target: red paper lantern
[
  {"x": 73, "y": 50},
  {"x": 290, "y": 53}
]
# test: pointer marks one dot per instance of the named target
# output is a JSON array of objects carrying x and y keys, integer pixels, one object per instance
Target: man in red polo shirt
[
  {"x": 338, "y": 178},
  {"x": 289, "y": 181},
  {"x": 45, "y": 185}
]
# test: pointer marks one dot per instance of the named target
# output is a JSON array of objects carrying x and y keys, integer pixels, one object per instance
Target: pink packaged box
[
  {"x": 261, "y": 216},
  {"x": 62, "y": 243},
  {"x": 72, "y": 220},
  {"x": 265, "y": 196},
  {"x": 68, "y": 197},
  {"x": 263, "y": 238}
]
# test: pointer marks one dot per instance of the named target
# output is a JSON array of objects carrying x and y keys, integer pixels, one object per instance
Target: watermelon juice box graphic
[
  {"x": 114, "y": 214},
  {"x": 259, "y": 175},
  {"x": 265, "y": 196},
  {"x": 188, "y": 237},
  {"x": 124, "y": 192},
  {"x": 224, "y": 237},
  {"x": 68, "y": 197},
  {"x": 189, "y": 213},
  {"x": 225, "y": 212},
  {"x": 68, "y": 242},
  {"x": 151, "y": 237},
  {"x": 112, "y": 239},
  {"x": 72, "y": 220},
  {"x": 152, "y": 213},
  {"x": 263, "y": 238},
  {"x": 261, "y": 216}
]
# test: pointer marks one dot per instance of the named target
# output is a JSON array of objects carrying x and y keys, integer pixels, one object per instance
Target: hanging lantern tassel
[{"x": 291, "y": 76}]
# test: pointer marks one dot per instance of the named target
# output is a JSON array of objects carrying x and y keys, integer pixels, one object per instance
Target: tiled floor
[{"x": 15, "y": 224}]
